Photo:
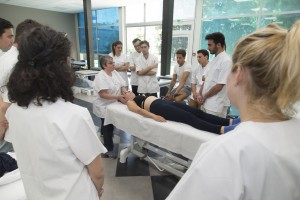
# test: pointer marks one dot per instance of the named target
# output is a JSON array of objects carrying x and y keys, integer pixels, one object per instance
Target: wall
[{"x": 63, "y": 22}]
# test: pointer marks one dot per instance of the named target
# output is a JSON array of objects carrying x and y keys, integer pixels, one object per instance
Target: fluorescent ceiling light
[
  {"x": 207, "y": 20},
  {"x": 257, "y": 9},
  {"x": 279, "y": 22},
  {"x": 234, "y": 20},
  {"x": 271, "y": 18},
  {"x": 238, "y": 1},
  {"x": 245, "y": 24}
]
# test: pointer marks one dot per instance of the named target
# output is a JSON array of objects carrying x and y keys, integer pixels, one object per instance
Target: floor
[{"x": 134, "y": 180}]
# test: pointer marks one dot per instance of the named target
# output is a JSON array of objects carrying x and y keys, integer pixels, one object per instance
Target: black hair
[
  {"x": 24, "y": 27},
  {"x": 217, "y": 37},
  {"x": 135, "y": 40},
  {"x": 204, "y": 52},
  {"x": 4, "y": 24},
  {"x": 43, "y": 72},
  {"x": 116, "y": 43},
  {"x": 145, "y": 42},
  {"x": 181, "y": 52}
]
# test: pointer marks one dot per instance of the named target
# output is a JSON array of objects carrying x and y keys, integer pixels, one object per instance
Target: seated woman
[{"x": 162, "y": 110}]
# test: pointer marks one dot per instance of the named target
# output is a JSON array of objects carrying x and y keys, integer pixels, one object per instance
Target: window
[
  {"x": 232, "y": 28},
  {"x": 153, "y": 11},
  {"x": 105, "y": 31},
  {"x": 143, "y": 20},
  {"x": 135, "y": 13},
  {"x": 237, "y": 18}
]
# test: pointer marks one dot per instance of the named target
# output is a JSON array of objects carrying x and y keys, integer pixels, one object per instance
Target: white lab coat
[
  {"x": 7, "y": 62},
  {"x": 218, "y": 70},
  {"x": 197, "y": 74},
  {"x": 113, "y": 84},
  {"x": 147, "y": 84},
  {"x": 119, "y": 61},
  {"x": 258, "y": 161},
  {"x": 133, "y": 61},
  {"x": 53, "y": 144}
]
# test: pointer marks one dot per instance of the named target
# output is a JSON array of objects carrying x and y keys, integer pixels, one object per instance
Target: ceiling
[{"x": 68, "y": 6}]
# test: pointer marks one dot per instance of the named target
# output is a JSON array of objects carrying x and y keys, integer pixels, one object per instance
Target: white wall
[{"x": 63, "y": 22}]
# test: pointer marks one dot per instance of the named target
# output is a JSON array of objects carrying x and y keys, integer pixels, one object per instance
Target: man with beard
[{"x": 214, "y": 97}]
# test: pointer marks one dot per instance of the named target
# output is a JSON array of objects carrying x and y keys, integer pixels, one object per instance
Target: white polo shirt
[
  {"x": 119, "y": 61},
  {"x": 219, "y": 69},
  {"x": 133, "y": 62},
  {"x": 112, "y": 84},
  {"x": 53, "y": 144},
  {"x": 147, "y": 84}
]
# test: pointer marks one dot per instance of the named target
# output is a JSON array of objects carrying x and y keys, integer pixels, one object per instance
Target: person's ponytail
[{"x": 289, "y": 89}]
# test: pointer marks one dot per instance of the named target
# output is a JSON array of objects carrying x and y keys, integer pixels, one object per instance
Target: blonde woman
[{"x": 260, "y": 158}]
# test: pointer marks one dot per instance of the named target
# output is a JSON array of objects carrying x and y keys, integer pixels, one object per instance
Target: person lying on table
[{"x": 162, "y": 110}]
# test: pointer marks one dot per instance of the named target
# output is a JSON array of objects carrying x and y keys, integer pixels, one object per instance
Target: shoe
[{"x": 111, "y": 154}]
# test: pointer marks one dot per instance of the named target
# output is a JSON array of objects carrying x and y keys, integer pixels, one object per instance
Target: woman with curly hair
[{"x": 55, "y": 141}]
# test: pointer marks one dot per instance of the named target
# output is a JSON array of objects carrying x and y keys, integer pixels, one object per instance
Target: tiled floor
[{"x": 134, "y": 180}]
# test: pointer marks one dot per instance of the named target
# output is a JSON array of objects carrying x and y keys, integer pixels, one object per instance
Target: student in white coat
[
  {"x": 259, "y": 159},
  {"x": 7, "y": 62},
  {"x": 121, "y": 61},
  {"x": 198, "y": 77},
  {"x": 214, "y": 98},
  {"x": 54, "y": 140},
  {"x": 133, "y": 61},
  {"x": 6, "y": 42},
  {"x": 110, "y": 88},
  {"x": 146, "y": 69}
]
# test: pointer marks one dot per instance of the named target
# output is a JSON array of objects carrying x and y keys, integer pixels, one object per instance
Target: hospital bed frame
[{"x": 175, "y": 141}]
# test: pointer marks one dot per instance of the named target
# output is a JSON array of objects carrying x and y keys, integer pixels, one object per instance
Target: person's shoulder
[
  {"x": 153, "y": 56},
  {"x": 10, "y": 54},
  {"x": 70, "y": 107},
  {"x": 236, "y": 139},
  {"x": 99, "y": 75},
  {"x": 225, "y": 56},
  {"x": 187, "y": 65}
]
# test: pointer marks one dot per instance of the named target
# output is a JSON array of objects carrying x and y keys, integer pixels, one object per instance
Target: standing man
[
  {"x": 6, "y": 42},
  {"x": 182, "y": 74},
  {"x": 198, "y": 77},
  {"x": 214, "y": 97},
  {"x": 146, "y": 70},
  {"x": 133, "y": 60},
  {"x": 7, "y": 62}
]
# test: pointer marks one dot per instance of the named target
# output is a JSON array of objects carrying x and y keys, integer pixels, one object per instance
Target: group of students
[
  {"x": 141, "y": 63},
  {"x": 111, "y": 88},
  {"x": 205, "y": 84},
  {"x": 55, "y": 141}
]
